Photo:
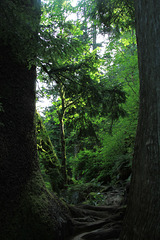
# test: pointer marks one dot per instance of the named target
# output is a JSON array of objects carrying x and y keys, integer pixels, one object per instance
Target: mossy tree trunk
[
  {"x": 143, "y": 215},
  {"x": 61, "y": 115},
  {"x": 49, "y": 163},
  {"x": 28, "y": 211}
]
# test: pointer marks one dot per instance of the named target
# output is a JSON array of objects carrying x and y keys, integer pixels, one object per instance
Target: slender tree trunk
[
  {"x": 62, "y": 130},
  {"x": 27, "y": 210},
  {"x": 63, "y": 151},
  {"x": 85, "y": 32},
  {"x": 94, "y": 36},
  {"x": 142, "y": 220}
]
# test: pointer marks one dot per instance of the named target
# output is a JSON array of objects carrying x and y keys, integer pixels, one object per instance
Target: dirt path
[
  {"x": 80, "y": 236},
  {"x": 96, "y": 223},
  {"x": 99, "y": 222}
]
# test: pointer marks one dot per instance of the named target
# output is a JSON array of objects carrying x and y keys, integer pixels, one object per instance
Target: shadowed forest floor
[{"x": 99, "y": 222}]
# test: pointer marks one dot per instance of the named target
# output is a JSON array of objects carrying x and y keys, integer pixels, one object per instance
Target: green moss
[
  {"x": 44, "y": 143},
  {"x": 39, "y": 216},
  {"x": 49, "y": 163}
]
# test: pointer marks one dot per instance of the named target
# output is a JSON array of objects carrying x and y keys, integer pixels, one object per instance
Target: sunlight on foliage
[{"x": 94, "y": 95}]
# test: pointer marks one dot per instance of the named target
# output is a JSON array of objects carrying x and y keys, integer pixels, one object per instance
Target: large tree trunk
[
  {"x": 143, "y": 216},
  {"x": 27, "y": 210}
]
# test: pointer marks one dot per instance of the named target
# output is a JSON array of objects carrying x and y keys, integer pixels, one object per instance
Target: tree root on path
[{"x": 96, "y": 223}]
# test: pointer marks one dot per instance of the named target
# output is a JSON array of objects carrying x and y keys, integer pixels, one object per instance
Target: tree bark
[
  {"x": 94, "y": 34},
  {"x": 142, "y": 219},
  {"x": 63, "y": 151},
  {"x": 27, "y": 210},
  {"x": 61, "y": 114}
]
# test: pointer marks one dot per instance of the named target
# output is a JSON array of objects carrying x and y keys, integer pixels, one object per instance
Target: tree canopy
[{"x": 93, "y": 90}]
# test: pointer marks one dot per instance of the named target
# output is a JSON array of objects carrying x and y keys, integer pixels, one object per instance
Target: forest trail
[{"x": 97, "y": 222}]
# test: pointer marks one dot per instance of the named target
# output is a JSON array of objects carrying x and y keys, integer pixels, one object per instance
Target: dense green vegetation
[{"x": 94, "y": 93}]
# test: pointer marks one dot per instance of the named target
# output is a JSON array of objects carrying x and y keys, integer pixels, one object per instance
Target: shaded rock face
[
  {"x": 95, "y": 194},
  {"x": 114, "y": 196}
]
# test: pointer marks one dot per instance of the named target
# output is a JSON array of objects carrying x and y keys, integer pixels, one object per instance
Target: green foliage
[
  {"x": 59, "y": 39},
  {"x": 115, "y": 16},
  {"x": 82, "y": 192},
  {"x": 118, "y": 147},
  {"x": 86, "y": 165},
  {"x": 95, "y": 98},
  {"x": 117, "y": 151},
  {"x": 112, "y": 159},
  {"x": 95, "y": 198}
]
